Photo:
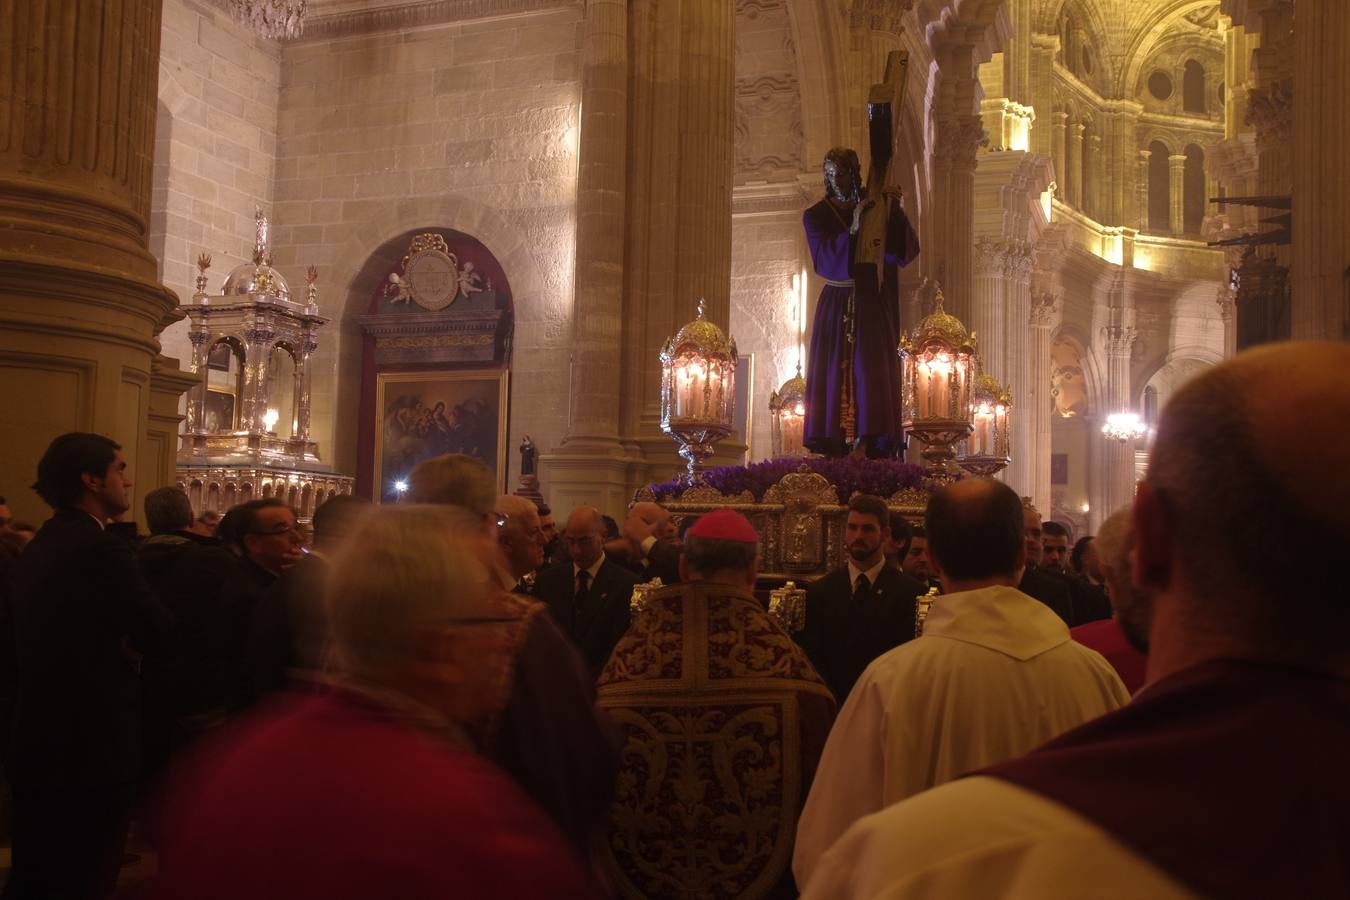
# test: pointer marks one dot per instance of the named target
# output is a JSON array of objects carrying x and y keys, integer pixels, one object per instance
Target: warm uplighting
[
  {"x": 1124, "y": 427},
  {"x": 1086, "y": 508},
  {"x": 698, "y": 389},
  {"x": 270, "y": 420}
]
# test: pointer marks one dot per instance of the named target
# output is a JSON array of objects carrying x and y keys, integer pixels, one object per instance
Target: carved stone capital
[
  {"x": 1119, "y": 340},
  {"x": 960, "y": 140},
  {"x": 1270, "y": 110},
  {"x": 878, "y": 15},
  {"x": 1044, "y": 309}
]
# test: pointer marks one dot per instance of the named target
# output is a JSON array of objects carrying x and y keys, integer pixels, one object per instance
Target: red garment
[
  {"x": 1106, "y": 638},
  {"x": 1229, "y": 776},
  {"x": 327, "y": 796}
]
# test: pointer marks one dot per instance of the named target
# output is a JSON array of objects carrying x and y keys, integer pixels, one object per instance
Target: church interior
[{"x": 1112, "y": 196}]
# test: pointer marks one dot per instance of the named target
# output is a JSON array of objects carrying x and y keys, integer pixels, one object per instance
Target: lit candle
[
  {"x": 792, "y": 433},
  {"x": 984, "y": 420},
  {"x": 940, "y": 388}
]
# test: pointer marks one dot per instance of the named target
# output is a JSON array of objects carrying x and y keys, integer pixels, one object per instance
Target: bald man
[
  {"x": 993, "y": 675},
  {"x": 649, "y": 545},
  {"x": 588, "y": 594},
  {"x": 1245, "y": 716}
]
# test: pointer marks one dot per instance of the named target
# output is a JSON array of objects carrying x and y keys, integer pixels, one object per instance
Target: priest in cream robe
[
  {"x": 1225, "y": 776},
  {"x": 994, "y": 675}
]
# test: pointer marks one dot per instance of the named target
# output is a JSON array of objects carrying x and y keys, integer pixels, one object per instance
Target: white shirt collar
[
  {"x": 594, "y": 569},
  {"x": 872, "y": 573}
]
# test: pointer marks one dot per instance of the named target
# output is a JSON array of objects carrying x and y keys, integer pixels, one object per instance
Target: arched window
[
  {"x": 1159, "y": 189},
  {"x": 1193, "y": 88},
  {"x": 1194, "y": 191}
]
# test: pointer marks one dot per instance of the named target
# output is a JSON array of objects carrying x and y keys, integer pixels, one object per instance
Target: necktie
[
  {"x": 583, "y": 594},
  {"x": 860, "y": 588}
]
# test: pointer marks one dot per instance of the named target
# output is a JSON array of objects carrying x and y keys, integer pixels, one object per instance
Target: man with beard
[
  {"x": 1036, "y": 582},
  {"x": 1089, "y": 602},
  {"x": 861, "y": 610}
]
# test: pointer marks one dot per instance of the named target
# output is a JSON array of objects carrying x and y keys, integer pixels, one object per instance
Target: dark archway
[
  {"x": 1194, "y": 191},
  {"x": 1159, "y": 189}
]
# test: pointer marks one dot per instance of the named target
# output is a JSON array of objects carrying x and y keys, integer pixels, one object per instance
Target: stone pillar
[
  {"x": 1320, "y": 300},
  {"x": 1141, "y": 191},
  {"x": 654, "y": 231},
  {"x": 1075, "y": 165},
  {"x": 988, "y": 315},
  {"x": 1226, "y": 301},
  {"x": 1176, "y": 170},
  {"x": 80, "y": 300},
  {"x": 1124, "y": 171},
  {"x": 1117, "y": 458},
  {"x": 1095, "y": 189},
  {"x": 1017, "y": 371},
  {"x": 962, "y": 141},
  {"x": 597, "y": 318},
  {"x": 1058, "y": 146},
  {"x": 1032, "y": 427}
]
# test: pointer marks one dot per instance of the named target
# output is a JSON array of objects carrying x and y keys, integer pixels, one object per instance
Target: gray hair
[
  {"x": 454, "y": 479},
  {"x": 403, "y": 569},
  {"x": 1115, "y": 540}
]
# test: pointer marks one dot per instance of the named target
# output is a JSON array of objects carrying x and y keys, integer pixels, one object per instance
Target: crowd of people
[{"x": 453, "y": 697}]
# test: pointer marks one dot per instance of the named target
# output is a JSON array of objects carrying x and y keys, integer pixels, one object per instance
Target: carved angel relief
[{"x": 433, "y": 277}]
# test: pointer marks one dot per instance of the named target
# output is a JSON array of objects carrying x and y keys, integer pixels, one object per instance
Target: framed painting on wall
[
  {"x": 219, "y": 412},
  {"x": 427, "y": 414}
]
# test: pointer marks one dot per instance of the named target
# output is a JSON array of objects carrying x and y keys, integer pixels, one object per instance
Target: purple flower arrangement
[{"x": 881, "y": 477}]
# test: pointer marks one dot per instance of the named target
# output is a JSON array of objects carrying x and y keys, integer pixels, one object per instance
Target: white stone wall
[
  {"x": 215, "y": 148},
  {"x": 471, "y": 126},
  {"x": 767, "y": 250}
]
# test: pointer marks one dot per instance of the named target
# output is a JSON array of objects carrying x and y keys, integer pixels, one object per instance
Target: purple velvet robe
[{"x": 876, "y": 332}]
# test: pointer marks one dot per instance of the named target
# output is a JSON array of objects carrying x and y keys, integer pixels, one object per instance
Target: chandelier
[
  {"x": 1124, "y": 427},
  {"x": 272, "y": 19}
]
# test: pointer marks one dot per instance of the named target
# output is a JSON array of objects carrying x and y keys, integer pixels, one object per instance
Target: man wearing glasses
[
  {"x": 589, "y": 594},
  {"x": 268, "y": 540}
]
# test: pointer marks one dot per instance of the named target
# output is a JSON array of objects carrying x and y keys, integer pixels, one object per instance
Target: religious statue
[
  {"x": 527, "y": 456},
  {"x": 857, "y": 242}
]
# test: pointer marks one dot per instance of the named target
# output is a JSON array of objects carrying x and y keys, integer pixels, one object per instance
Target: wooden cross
[{"x": 884, "y": 104}]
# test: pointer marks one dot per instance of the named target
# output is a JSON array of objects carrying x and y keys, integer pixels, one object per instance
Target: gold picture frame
[{"x": 420, "y": 415}]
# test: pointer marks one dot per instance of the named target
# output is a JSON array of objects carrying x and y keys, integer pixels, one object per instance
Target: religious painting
[
  {"x": 219, "y": 412},
  {"x": 220, "y": 356},
  {"x": 1068, "y": 382},
  {"x": 427, "y": 414},
  {"x": 1059, "y": 468}
]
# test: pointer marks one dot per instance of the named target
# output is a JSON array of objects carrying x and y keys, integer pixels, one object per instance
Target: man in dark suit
[
  {"x": 83, "y": 617},
  {"x": 649, "y": 544},
  {"x": 1053, "y": 592},
  {"x": 589, "y": 594},
  {"x": 1089, "y": 602},
  {"x": 858, "y": 612}
]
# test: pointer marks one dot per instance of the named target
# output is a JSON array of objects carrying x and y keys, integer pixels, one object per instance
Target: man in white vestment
[
  {"x": 1225, "y": 776},
  {"x": 994, "y": 675}
]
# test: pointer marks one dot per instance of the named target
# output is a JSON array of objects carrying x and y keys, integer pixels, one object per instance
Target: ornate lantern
[
  {"x": 698, "y": 390},
  {"x": 938, "y": 367},
  {"x": 987, "y": 449},
  {"x": 787, "y": 406}
]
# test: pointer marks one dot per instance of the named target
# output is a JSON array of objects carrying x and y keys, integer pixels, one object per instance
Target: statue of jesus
[{"x": 853, "y": 372}]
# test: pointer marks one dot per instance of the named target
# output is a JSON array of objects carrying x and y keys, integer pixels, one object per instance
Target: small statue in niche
[{"x": 527, "y": 456}]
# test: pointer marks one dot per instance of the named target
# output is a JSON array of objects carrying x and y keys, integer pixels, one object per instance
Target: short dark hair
[
  {"x": 167, "y": 509},
  {"x": 68, "y": 457},
  {"x": 1051, "y": 528},
  {"x": 868, "y": 505},
  {"x": 918, "y": 531},
  {"x": 707, "y": 556},
  {"x": 243, "y": 519},
  {"x": 544, "y": 509},
  {"x": 686, "y": 523},
  {"x": 611, "y": 527},
  {"x": 901, "y": 532},
  {"x": 334, "y": 517},
  {"x": 975, "y": 533}
]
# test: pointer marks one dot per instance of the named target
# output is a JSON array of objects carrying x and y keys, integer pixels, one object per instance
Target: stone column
[
  {"x": 1141, "y": 192},
  {"x": 1032, "y": 427},
  {"x": 1095, "y": 190},
  {"x": 1058, "y": 146},
  {"x": 1320, "y": 300},
  {"x": 80, "y": 300},
  {"x": 1176, "y": 170},
  {"x": 1017, "y": 370},
  {"x": 597, "y": 318},
  {"x": 1124, "y": 172},
  {"x": 962, "y": 140},
  {"x": 988, "y": 315},
  {"x": 1075, "y": 165},
  {"x": 1117, "y": 458}
]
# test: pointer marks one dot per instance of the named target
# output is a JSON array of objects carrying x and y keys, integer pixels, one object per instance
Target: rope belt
[{"x": 848, "y": 283}]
